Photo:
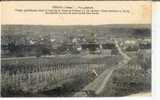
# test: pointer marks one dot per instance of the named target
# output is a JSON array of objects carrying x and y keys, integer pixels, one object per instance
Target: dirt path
[{"x": 100, "y": 82}]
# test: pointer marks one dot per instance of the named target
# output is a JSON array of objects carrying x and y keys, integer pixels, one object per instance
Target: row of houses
[{"x": 50, "y": 45}]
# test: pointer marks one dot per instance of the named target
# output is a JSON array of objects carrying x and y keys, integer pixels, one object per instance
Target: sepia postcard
[{"x": 76, "y": 49}]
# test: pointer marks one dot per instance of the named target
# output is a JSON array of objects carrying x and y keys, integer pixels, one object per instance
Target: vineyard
[
  {"x": 33, "y": 75},
  {"x": 78, "y": 60}
]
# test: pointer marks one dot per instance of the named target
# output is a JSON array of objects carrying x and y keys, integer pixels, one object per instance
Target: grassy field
[{"x": 133, "y": 78}]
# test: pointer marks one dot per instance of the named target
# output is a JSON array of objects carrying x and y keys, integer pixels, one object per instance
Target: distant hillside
[{"x": 74, "y": 30}]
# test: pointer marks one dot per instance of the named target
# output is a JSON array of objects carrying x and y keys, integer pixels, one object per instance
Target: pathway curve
[{"x": 98, "y": 85}]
